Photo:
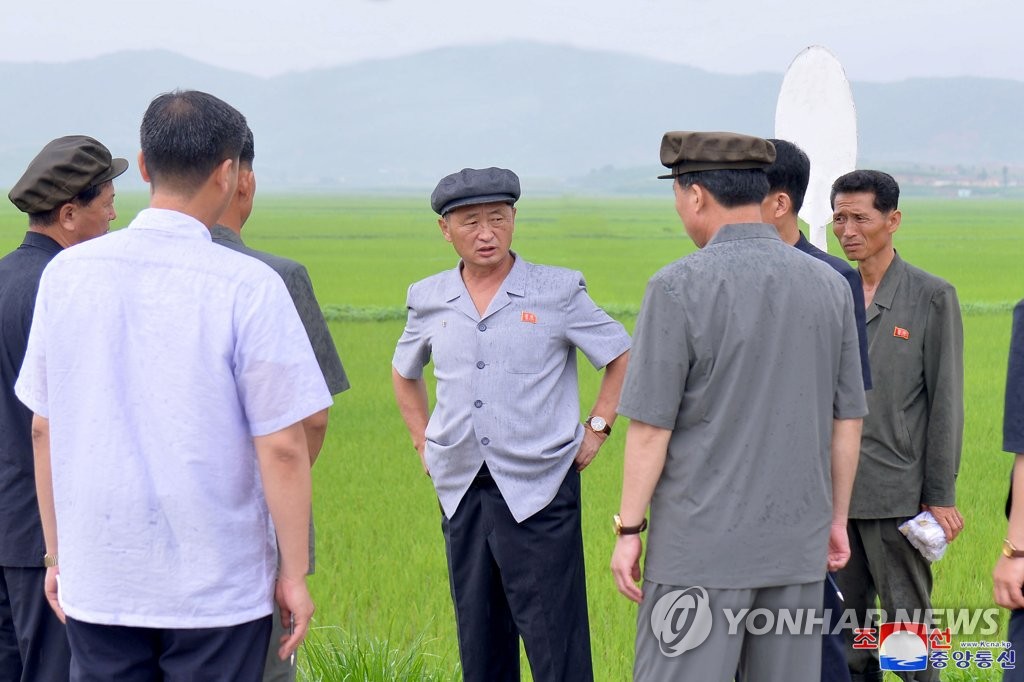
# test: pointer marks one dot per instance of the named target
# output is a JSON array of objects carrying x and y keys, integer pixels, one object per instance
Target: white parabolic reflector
[{"x": 816, "y": 112}]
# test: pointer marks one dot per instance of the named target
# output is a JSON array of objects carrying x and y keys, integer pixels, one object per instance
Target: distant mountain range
[{"x": 564, "y": 117}]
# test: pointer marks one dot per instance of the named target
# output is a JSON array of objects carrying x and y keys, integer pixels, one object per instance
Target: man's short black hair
[
  {"x": 83, "y": 198},
  {"x": 186, "y": 134},
  {"x": 790, "y": 172},
  {"x": 248, "y": 152},
  {"x": 883, "y": 185},
  {"x": 730, "y": 188}
]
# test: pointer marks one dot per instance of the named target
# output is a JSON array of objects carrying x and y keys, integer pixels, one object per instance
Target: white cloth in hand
[{"x": 925, "y": 533}]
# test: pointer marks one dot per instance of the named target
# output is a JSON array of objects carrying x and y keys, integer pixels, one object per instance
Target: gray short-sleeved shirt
[
  {"x": 301, "y": 290},
  {"x": 746, "y": 350},
  {"x": 507, "y": 390}
]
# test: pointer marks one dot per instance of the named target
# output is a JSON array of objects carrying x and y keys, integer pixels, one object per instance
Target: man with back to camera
[
  {"x": 788, "y": 177},
  {"x": 68, "y": 193},
  {"x": 228, "y": 232},
  {"x": 745, "y": 398},
  {"x": 910, "y": 449},
  {"x": 169, "y": 378},
  {"x": 504, "y": 444}
]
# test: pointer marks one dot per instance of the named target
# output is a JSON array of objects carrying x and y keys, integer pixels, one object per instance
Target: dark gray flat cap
[
  {"x": 60, "y": 172},
  {"x": 686, "y": 152},
  {"x": 471, "y": 186}
]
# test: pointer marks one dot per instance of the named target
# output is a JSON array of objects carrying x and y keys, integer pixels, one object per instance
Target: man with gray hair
[
  {"x": 745, "y": 399},
  {"x": 169, "y": 378},
  {"x": 504, "y": 444},
  {"x": 68, "y": 193}
]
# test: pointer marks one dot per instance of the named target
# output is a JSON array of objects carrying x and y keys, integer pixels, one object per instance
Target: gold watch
[
  {"x": 1012, "y": 552},
  {"x": 49, "y": 560},
  {"x": 628, "y": 530}
]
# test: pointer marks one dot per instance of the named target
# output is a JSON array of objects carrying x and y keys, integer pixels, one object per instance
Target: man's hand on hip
[{"x": 592, "y": 442}]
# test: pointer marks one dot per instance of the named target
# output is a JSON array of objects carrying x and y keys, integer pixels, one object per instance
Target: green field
[{"x": 381, "y": 568}]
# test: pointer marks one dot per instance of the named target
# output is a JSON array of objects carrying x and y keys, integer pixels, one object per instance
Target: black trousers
[
  {"x": 113, "y": 653},
  {"x": 33, "y": 642},
  {"x": 510, "y": 580}
]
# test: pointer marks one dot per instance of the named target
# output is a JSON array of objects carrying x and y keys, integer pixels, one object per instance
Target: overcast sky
[{"x": 876, "y": 40}]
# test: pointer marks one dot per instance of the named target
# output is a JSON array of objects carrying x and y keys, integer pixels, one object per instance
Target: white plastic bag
[{"x": 925, "y": 533}]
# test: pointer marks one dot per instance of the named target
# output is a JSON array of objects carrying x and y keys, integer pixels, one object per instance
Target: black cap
[
  {"x": 471, "y": 186},
  {"x": 62, "y": 170},
  {"x": 686, "y": 152}
]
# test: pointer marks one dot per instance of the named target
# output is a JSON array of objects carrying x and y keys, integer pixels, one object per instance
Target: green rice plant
[{"x": 332, "y": 654}]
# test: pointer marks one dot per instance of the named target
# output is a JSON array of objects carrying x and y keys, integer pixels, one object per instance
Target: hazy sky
[{"x": 876, "y": 40}]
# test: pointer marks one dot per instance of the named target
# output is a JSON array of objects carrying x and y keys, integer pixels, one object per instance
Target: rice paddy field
[{"x": 381, "y": 573}]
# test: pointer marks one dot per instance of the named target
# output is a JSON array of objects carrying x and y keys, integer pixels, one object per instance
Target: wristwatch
[
  {"x": 49, "y": 560},
  {"x": 598, "y": 425},
  {"x": 1012, "y": 552},
  {"x": 628, "y": 530}
]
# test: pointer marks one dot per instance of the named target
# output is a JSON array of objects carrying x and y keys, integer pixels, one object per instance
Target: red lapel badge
[
  {"x": 901, "y": 333},
  {"x": 528, "y": 317}
]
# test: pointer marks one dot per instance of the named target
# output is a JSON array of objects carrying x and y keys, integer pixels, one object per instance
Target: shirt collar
[
  {"x": 890, "y": 282},
  {"x": 167, "y": 220},
  {"x": 226, "y": 234},
  {"x": 736, "y": 231},
  {"x": 38, "y": 240},
  {"x": 515, "y": 280}
]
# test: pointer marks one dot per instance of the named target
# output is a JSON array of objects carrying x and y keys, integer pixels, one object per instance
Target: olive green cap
[
  {"x": 687, "y": 151},
  {"x": 61, "y": 171}
]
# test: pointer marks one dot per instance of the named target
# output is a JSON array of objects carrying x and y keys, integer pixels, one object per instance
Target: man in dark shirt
[
  {"x": 228, "y": 232},
  {"x": 1008, "y": 577},
  {"x": 788, "y": 177},
  {"x": 68, "y": 193}
]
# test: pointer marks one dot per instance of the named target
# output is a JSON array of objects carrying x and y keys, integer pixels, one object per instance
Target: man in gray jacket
[{"x": 910, "y": 447}]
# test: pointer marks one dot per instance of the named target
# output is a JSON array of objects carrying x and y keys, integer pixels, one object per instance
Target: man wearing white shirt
[{"x": 169, "y": 378}]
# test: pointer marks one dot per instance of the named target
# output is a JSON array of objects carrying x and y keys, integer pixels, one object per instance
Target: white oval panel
[{"x": 816, "y": 112}]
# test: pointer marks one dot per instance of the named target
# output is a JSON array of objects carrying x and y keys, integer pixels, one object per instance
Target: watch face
[{"x": 598, "y": 423}]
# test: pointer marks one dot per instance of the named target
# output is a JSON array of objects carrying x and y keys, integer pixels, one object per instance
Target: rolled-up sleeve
[
  {"x": 413, "y": 350},
  {"x": 591, "y": 329}
]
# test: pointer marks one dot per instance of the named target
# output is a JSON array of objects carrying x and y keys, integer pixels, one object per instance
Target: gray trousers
[
  {"x": 769, "y": 657},
  {"x": 885, "y": 565},
  {"x": 277, "y": 670}
]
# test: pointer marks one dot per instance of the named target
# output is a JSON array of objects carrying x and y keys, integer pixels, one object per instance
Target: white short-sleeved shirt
[{"x": 157, "y": 357}]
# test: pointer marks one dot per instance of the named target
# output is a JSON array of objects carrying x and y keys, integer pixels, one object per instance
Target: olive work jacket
[{"x": 913, "y": 434}]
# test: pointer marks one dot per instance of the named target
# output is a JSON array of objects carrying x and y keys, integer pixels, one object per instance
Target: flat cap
[
  {"x": 61, "y": 171},
  {"x": 472, "y": 186},
  {"x": 686, "y": 152}
]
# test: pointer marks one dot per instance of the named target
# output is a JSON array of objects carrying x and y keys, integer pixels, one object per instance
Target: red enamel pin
[
  {"x": 528, "y": 317},
  {"x": 901, "y": 332}
]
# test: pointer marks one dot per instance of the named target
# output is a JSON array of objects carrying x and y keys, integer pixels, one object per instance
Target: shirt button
[
  {"x": 485, "y": 440},
  {"x": 478, "y": 403},
  {"x": 481, "y": 364},
  {"x": 482, "y": 326}
]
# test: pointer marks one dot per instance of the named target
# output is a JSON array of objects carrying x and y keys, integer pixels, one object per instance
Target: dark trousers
[
  {"x": 113, "y": 653},
  {"x": 885, "y": 565},
  {"x": 33, "y": 642},
  {"x": 833, "y": 646},
  {"x": 524, "y": 579},
  {"x": 1015, "y": 633}
]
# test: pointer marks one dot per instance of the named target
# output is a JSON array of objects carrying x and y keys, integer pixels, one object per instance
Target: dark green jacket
[{"x": 910, "y": 448}]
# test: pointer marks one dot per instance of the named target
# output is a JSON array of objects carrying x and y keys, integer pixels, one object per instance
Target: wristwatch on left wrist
[
  {"x": 598, "y": 425},
  {"x": 1011, "y": 552},
  {"x": 49, "y": 560}
]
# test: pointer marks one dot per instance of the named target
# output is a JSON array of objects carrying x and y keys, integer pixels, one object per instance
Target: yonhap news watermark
[{"x": 682, "y": 620}]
